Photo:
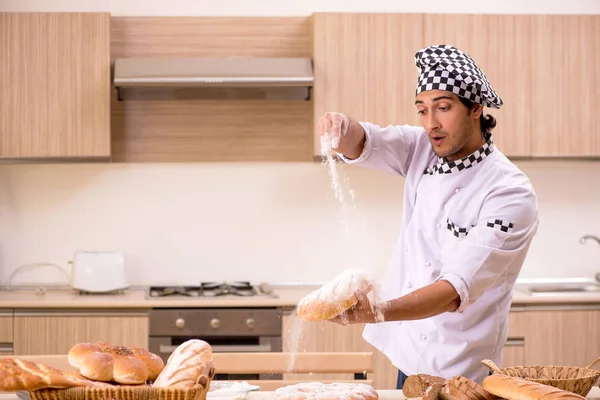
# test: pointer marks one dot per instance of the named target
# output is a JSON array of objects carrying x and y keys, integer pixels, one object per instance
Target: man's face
[{"x": 449, "y": 124}]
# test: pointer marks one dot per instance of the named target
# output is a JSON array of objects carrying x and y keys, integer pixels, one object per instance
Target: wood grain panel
[
  {"x": 180, "y": 128},
  {"x": 499, "y": 45},
  {"x": 364, "y": 66},
  {"x": 299, "y": 336},
  {"x": 55, "y": 85},
  {"x": 565, "y": 85},
  {"x": 6, "y": 329},
  {"x": 56, "y": 334},
  {"x": 562, "y": 337}
]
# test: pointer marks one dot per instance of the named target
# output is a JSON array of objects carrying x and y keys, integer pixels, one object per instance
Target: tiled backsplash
[{"x": 179, "y": 223}]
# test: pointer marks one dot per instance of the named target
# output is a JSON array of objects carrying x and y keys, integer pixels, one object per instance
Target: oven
[{"x": 225, "y": 329}]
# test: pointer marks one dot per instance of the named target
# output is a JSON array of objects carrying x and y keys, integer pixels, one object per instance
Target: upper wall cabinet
[
  {"x": 545, "y": 68},
  {"x": 487, "y": 38},
  {"x": 54, "y": 85},
  {"x": 364, "y": 66}
]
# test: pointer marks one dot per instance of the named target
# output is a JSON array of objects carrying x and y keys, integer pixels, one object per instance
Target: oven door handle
[{"x": 226, "y": 348}]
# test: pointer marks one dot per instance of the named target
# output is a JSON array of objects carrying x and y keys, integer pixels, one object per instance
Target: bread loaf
[
  {"x": 416, "y": 385},
  {"x": 460, "y": 387},
  {"x": 334, "y": 297},
  {"x": 433, "y": 391},
  {"x": 190, "y": 363},
  {"x": 104, "y": 362},
  {"x": 24, "y": 375},
  {"x": 515, "y": 388}
]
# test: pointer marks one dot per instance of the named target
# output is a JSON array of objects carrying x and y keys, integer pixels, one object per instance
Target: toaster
[{"x": 98, "y": 271}]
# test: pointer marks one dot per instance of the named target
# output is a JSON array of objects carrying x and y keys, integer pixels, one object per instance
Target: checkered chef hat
[{"x": 444, "y": 67}]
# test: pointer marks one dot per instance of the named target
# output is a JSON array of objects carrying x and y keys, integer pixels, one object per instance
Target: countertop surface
[
  {"x": 287, "y": 297},
  {"x": 383, "y": 395}
]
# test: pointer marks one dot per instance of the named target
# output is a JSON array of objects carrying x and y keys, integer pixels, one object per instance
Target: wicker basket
[
  {"x": 579, "y": 380},
  {"x": 124, "y": 392}
]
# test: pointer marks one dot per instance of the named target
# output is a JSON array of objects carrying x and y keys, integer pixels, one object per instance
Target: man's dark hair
[{"x": 487, "y": 122}]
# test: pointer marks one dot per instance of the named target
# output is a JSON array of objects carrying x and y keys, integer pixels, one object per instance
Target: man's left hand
[{"x": 362, "y": 312}]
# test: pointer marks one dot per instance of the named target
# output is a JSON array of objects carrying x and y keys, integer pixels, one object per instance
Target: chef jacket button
[
  {"x": 405, "y": 248},
  {"x": 423, "y": 337},
  {"x": 456, "y": 190},
  {"x": 439, "y": 225},
  {"x": 428, "y": 264},
  {"x": 409, "y": 285}
]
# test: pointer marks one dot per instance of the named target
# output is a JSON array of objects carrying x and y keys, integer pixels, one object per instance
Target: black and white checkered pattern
[
  {"x": 444, "y": 67},
  {"x": 444, "y": 166},
  {"x": 504, "y": 226},
  {"x": 456, "y": 231}
]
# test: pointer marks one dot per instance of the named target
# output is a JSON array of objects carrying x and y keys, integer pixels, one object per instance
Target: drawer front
[{"x": 6, "y": 326}]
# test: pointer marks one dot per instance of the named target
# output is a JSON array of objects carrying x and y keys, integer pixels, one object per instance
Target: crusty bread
[
  {"x": 102, "y": 361},
  {"x": 460, "y": 387},
  {"x": 416, "y": 385},
  {"x": 21, "y": 374},
  {"x": 433, "y": 391},
  {"x": 334, "y": 297},
  {"x": 326, "y": 391},
  {"x": 189, "y": 364},
  {"x": 515, "y": 388}
]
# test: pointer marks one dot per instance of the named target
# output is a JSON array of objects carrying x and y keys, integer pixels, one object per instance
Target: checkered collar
[{"x": 443, "y": 166}]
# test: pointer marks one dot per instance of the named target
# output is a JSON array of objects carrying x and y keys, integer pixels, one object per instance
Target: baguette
[
  {"x": 416, "y": 385},
  {"x": 191, "y": 363},
  {"x": 24, "y": 375},
  {"x": 514, "y": 388}
]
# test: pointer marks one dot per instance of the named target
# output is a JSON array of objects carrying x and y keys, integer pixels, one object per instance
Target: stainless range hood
[{"x": 289, "y": 78}]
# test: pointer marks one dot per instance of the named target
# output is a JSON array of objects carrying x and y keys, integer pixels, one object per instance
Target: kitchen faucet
[{"x": 584, "y": 239}]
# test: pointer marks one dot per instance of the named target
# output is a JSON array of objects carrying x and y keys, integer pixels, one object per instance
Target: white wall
[{"x": 179, "y": 223}]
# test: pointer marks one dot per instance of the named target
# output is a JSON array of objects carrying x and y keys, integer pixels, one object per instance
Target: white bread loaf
[
  {"x": 102, "y": 361},
  {"x": 334, "y": 297},
  {"x": 24, "y": 375},
  {"x": 190, "y": 363},
  {"x": 515, "y": 388}
]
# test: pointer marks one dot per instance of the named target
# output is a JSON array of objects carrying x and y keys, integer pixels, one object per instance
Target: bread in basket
[{"x": 579, "y": 380}]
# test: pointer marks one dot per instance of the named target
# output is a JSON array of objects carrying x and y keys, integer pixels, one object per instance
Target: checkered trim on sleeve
[
  {"x": 456, "y": 231},
  {"x": 504, "y": 226},
  {"x": 444, "y": 67},
  {"x": 447, "y": 167}
]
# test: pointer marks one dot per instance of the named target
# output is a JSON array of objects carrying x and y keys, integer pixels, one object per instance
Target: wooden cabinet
[
  {"x": 565, "y": 85},
  {"x": 486, "y": 38},
  {"x": 54, "y": 85},
  {"x": 364, "y": 66},
  {"x": 6, "y": 332},
  {"x": 44, "y": 332},
  {"x": 545, "y": 68}
]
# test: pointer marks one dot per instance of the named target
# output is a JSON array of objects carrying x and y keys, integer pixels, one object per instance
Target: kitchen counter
[
  {"x": 286, "y": 298},
  {"x": 383, "y": 395}
]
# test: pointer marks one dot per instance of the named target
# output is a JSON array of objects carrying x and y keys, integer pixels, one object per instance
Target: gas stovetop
[{"x": 212, "y": 289}]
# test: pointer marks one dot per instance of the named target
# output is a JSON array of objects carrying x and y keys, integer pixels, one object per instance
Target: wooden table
[{"x": 383, "y": 395}]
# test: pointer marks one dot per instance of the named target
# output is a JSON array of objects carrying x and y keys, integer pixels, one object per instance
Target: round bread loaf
[
  {"x": 334, "y": 297},
  {"x": 101, "y": 361},
  {"x": 326, "y": 391}
]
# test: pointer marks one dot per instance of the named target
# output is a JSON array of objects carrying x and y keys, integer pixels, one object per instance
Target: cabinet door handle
[{"x": 515, "y": 342}]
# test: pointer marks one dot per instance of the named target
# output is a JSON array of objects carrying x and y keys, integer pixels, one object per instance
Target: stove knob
[
  {"x": 180, "y": 323},
  {"x": 215, "y": 323},
  {"x": 251, "y": 323}
]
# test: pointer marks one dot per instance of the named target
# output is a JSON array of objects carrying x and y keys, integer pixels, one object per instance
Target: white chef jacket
[{"x": 469, "y": 222}]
